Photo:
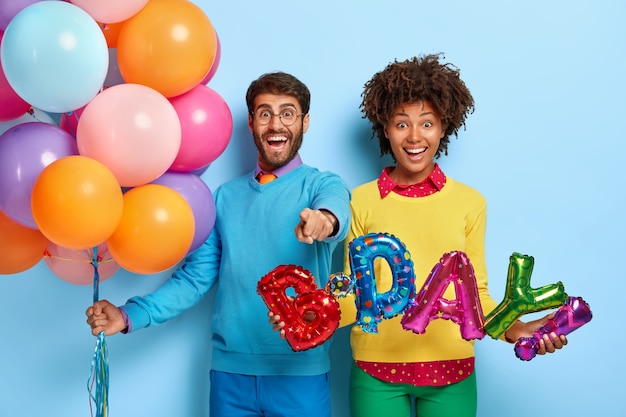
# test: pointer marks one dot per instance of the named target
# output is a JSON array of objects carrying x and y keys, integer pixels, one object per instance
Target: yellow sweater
[{"x": 453, "y": 219}]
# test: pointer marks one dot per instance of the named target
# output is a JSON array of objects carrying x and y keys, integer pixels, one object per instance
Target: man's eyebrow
[{"x": 281, "y": 106}]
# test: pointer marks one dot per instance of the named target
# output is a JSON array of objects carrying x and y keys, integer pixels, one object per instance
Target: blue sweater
[{"x": 253, "y": 234}]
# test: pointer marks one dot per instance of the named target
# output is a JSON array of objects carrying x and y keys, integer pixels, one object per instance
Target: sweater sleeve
[
  {"x": 184, "y": 289},
  {"x": 347, "y": 304},
  {"x": 333, "y": 194},
  {"x": 475, "y": 238}
]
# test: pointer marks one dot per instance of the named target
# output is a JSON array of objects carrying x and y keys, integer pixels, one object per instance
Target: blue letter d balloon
[{"x": 372, "y": 306}]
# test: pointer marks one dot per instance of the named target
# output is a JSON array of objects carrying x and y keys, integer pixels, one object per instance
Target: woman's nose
[{"x": 415, "y": 134}]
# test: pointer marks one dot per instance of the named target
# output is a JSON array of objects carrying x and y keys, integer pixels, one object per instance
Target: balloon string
[
  {"x": 99, "y": 262},
  {"x": 98, "y": 381},
  {"x": 73, "y": 115},
  {"x": 96, "y": 275}
]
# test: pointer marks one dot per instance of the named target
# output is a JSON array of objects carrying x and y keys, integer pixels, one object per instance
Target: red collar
[{"x": 435, "y": 182}]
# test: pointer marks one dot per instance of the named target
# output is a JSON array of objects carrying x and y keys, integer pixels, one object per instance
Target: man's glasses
[{"x": 287, "y": 116}]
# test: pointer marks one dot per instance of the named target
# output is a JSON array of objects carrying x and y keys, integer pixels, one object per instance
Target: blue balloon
[
  {"x": 372, "y": 306},
  {"x": 55, "y": 56}
]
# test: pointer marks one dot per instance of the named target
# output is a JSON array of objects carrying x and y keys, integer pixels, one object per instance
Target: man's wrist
[{"x": 333, "y": 221}]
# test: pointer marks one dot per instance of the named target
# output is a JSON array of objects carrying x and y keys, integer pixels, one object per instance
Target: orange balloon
[
  {"x": 169, "y": 46},
  {"x": 76, "y": 202},
  {"x": 20, "y": 247},
  {"x": 155, "y": 232},
  {"x": 111, "y": 32}
]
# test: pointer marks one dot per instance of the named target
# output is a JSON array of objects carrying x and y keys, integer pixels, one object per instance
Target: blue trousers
[{"x": 235, "y": 395}]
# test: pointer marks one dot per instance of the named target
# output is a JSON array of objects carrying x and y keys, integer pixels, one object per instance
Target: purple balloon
[
  {"x": 569, "y": 317},
  {"x": 9, "y": 9},
  {"x": 25, "y": 150},
  {"x": 199, "y": 198},
  {"x": 199, "y": 171}
]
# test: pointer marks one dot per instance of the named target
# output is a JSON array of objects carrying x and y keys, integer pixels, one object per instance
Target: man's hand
[
  {"x": 103, "y": 316},
  {"x": 277, "y": 325},
  {"x": 315, "y": 225}
]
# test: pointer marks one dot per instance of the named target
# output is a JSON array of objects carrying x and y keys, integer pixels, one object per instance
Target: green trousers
[{"x": 371, "y": 397}]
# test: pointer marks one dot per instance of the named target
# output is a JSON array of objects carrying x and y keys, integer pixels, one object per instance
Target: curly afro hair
[{"x": 417, "y": 79}]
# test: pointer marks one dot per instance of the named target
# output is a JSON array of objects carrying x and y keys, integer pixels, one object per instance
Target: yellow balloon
[
  {"x": 76, "y": 202},
  {"x": 155, "y": 232}
]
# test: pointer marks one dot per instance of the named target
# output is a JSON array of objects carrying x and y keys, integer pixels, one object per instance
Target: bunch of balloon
[
  {"x": 113, "y": 71},
  {"x": 137, "y": 125},
  {"x": 155, "y": 120}
]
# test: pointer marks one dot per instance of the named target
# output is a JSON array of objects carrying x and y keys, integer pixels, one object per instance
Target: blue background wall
[{"x": 545, "y": 146}]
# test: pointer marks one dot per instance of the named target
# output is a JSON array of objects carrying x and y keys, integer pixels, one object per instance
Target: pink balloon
[
  {"x": 216, "y": 62},
  {"x": 111, "y": 11},
  {"x": 11, "y": 105},
  {"x": 76, "y": 266},
  {"x": 131, "y": 129},
  {"x": 69, "y": 121},
  {"x": 454, "y": 268},
  {"x": 207, "y": 125}
]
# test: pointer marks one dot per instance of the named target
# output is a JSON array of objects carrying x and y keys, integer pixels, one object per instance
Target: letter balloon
[
  {"x": 454, "y": 268},
  {"x": 372, "y": 306},
  {"x": 573, "y": 314},
  {"x": 520, "y": 298},
  {"x": 311, "y": 318}
]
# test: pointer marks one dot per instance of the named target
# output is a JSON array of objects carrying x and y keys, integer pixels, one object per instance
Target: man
[{"x": 254, "y": 373}]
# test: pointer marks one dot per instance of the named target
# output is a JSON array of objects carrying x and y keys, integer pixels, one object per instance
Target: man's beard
[{"x": 277, "y": 161}]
